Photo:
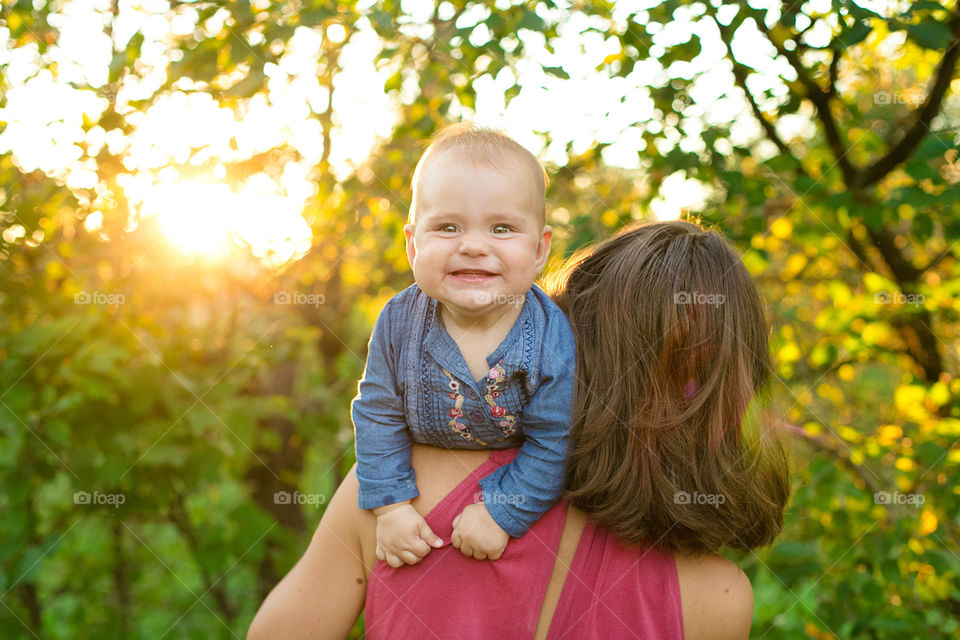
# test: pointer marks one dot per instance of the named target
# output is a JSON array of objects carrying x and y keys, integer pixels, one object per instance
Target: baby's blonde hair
[{"x": 482, "y": 145}]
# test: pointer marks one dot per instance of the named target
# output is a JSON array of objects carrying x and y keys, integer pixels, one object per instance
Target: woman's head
[{"x": 672, "y": 351}]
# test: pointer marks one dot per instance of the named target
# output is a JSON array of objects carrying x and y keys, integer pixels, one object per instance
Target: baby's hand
[
  {"x": 403, "y": 536},
  {"x": 477, "y": 534}
]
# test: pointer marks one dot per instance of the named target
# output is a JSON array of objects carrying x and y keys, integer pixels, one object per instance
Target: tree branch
[
  {"x": 181, "y": 519},
  {"x": 332, "y": 64},
  {"x": 821, "y": 100},
  {"x": 834, "y": 450},
  {"x": 740, "y": 75},
  {"x": 121, "y": 579},
  {"x": 919, "y": 339},
  {"x": 834, "y": 72},
  {"x": 924, "y": 114},
  {"x": 857, "y": 249}
]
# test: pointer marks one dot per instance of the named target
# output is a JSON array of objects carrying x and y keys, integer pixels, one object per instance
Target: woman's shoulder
[{"x": 717, "y": 598}]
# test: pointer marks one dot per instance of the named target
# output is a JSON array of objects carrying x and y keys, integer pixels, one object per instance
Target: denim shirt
[{"x": 416, "y": 387}]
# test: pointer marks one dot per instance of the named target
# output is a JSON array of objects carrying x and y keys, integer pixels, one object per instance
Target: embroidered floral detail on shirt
[
  {"x": 457, "y": 410},
  {"x": 507, "y": 423}
]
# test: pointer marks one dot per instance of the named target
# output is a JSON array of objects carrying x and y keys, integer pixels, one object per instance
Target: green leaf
[
  {"x": 531, "y": 21},
  {"x": 855, "y": 35},
  {"x": 930, "y": 34},
  {"x": 557, "y": 71},
  {"x": 248, "y": 86},
  {"x": 926, "y": 5},
  {"x": 890, "y": 624}
]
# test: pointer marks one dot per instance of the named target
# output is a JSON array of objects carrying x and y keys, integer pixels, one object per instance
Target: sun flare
[
  {"x": 208, "y": 219},
  {"x": 193, "y": 216}
]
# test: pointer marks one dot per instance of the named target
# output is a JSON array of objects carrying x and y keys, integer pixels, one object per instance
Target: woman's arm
[{"x": 323, "y": 594}]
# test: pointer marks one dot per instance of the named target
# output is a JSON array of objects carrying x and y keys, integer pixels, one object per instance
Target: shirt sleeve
[
  {"x": 517, "y": 494},
  {"x": 384, "y": 472}
]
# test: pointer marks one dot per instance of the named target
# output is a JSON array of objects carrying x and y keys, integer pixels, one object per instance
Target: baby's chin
[{"x": 476, "y": 304}]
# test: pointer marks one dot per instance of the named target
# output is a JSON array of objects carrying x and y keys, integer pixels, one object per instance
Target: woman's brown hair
[{"x": 672, "y": 354}]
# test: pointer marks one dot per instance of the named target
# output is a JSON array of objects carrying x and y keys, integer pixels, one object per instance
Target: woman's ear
[
  {"x": 543, "y": 247},
  {"x": 411, "y": 246}
]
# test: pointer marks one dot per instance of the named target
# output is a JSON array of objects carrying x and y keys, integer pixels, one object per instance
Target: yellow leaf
[
  {"x": 949, "y": 427},
  {"x": 939, "y": 394},
  {"x": 845, "y": 373},
  {"x": 813, "y": 428},
  {"x": 613, "y": 57},
  {"x": 909, "y": 401},
  {"x": 875, "y": 283},
  {"x": 928, "y": 521},
  {"x": 795, "y": 265},
  {"x": 781, "y": 228},
  {"x": 55, "y": 270},
  {"x": 789, "y": 352},
  {"x": 849, "y": 434},
  {"x": 889, "y": 433},
  {"x": 905, "y": 464},
  {"x": 905, "y": 211},
  {"x": 876, "y": 333}
]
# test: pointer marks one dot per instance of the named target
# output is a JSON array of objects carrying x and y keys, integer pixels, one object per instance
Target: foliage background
[{"x": 198, "y": 398}]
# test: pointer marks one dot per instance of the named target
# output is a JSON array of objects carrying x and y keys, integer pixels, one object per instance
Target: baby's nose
[{"x": 474, "y": 244}]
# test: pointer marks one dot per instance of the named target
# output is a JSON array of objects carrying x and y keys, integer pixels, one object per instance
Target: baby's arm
[
  {"x": 385, "y": 476},
  {"x": 517, "y": 494}
]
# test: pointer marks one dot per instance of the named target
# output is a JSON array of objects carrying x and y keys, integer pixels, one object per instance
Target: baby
[{"x": 473, "y": 356}]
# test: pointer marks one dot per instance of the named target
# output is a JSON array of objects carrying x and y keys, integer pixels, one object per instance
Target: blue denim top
[{"x": 416, "y": 387}]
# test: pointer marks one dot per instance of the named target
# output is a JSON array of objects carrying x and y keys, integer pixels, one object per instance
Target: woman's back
[
  {"x": 324, "y": 593},
  {"x": 609, "y": 591}
]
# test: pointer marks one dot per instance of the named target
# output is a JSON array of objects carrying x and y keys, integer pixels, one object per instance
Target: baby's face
[{"x": 478, "y": 241}]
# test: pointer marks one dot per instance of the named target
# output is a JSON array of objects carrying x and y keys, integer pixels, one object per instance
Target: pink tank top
[{"x": 610, "y": 592}]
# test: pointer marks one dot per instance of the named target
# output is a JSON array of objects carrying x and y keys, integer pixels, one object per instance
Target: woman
[{"x": 671, "y": 353}]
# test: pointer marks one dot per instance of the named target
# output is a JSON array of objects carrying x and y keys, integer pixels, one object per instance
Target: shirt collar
[{"x": 443, "y": 348}]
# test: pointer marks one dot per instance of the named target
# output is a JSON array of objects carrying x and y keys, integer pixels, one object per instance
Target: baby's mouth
[{"x": 472, "y": 275}]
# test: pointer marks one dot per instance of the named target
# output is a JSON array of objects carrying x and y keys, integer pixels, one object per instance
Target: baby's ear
[
  {"x": 543, "y": 247},
  {"x": 408, "y": 230}
]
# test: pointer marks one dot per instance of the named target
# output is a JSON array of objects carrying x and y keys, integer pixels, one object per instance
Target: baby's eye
[
  {"x": 447, "y": 228},
  {"x": 502, "y": 228}
]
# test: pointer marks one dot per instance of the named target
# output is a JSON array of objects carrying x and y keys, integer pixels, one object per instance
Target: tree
[
  {"x": 206, "y": 395},
  {"x": 852, "y": 228}
]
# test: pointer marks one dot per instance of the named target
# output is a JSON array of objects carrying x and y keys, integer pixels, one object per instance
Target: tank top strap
[{"x": 616, "y": 591}]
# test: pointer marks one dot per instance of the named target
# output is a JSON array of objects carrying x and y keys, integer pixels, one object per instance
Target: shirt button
[
  {"x": 476, "y": 416},
  {"x": 471, "y": 394}
]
